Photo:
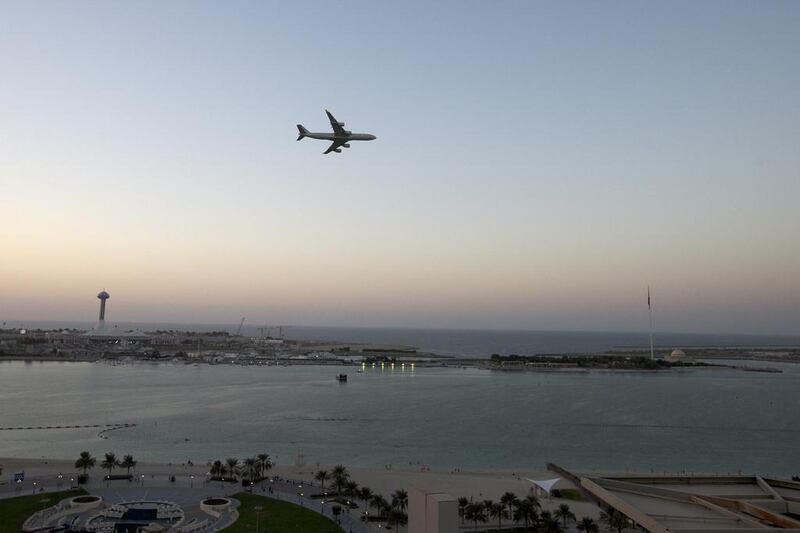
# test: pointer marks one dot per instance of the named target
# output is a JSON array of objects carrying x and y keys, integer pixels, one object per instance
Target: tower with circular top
[{"x": 102, "y": 296}]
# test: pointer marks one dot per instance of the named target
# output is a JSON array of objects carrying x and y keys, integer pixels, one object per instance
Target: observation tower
[{"x": 101, "y": 322}]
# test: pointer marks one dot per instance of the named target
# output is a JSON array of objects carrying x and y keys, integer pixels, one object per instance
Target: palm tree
[
  {"x": 508, "y": 500},
  {"x": 487, "y": 504},
  {"x": 250, "y": 468},
  {"x": 364, "y": 494},
  {"x": 379, "y": 503},
  {"x": 564, "y": 513},
  {"x": 549, "y": 524},
  {"x": 400, "y": 499},
  {"x": 232, "y": 463},
  {"x": 615, "y": 520},
  {"x": 462, "y": 505},
  {"x": 110, "y": 463},
  {"x": 497, "y": 510},
  {"x": 340, "y": 475},
  {"x": 217, "y": 469},
  {"x": 264, "y": 463},
  {"x": 128, "y": 463},
  {"x": 534, "y": 501},
  {"x": 322, "y": 476},
  {"x": 474, "y": 513},
  {"x": 351, "y": 488},
  {"x": 524, "y": 511},
  {"x": 85, "y": 461},
  {"x": 587, "y": 525},
  {"x": 396, "y": 517}
]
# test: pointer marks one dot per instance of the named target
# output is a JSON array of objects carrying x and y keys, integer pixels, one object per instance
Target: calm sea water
[
  {"x": 706, "y": 420},
  {"x": 472, "y": 343}
]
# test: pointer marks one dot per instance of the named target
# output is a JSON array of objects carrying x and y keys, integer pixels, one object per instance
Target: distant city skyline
[{"x": 536, "y": 166}]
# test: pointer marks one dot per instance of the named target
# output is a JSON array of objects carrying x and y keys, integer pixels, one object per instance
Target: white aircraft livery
[{"x": 341, "y": 137}]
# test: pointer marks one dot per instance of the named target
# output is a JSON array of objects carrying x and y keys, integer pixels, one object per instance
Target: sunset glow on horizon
[{"x": 539, "y": 177}]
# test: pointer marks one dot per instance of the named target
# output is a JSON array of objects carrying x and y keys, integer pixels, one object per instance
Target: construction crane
[{"x": 239, "y": 329}]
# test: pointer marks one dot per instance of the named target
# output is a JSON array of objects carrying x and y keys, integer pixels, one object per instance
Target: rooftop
[{"x": 692, "y": 504}]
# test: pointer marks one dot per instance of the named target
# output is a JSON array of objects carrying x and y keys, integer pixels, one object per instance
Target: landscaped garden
[
  {"x": 16, "y": 510},
  {"x": 278, "y": 516}
]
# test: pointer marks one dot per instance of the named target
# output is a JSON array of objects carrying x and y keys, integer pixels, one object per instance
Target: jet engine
[
  {"x": 338, "y": 150},
  {"x": 346, "y": 145}
]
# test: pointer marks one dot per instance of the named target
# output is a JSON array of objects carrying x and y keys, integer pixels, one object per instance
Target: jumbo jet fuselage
[
  {"x": 339, "y": 138},
  {"x": 336, "y": 137}
]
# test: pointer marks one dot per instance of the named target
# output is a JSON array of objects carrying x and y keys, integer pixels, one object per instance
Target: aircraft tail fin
[{"x": 302, "y": 131}]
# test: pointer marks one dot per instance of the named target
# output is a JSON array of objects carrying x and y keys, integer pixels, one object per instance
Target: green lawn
[
  {"x": 278, "y": 517},
  {"x": 16, "y": 510},
  {"x": 571, "y": 494}
]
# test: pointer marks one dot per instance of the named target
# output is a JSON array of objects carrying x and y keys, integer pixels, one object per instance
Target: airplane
[{"x": 340, "y": 136}]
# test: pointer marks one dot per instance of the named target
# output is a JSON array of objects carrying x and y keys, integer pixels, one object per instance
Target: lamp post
[
  {"x": 142, "y": 480},
  {"x": 60, "y": 478},
  {"x": 257, "y": 509},
  {"x": 19, "y": 485},
  {"x": 34, "y": 488},
  {"x": 191, "y": 482}
]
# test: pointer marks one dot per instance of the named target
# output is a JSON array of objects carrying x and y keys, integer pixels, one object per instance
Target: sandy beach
[{"x": 476, "y": 484}]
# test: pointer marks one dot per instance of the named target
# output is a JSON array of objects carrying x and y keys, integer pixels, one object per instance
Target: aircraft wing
[
  {"x": 338, "y": 127},
  {"x": 334, "y": 147}
]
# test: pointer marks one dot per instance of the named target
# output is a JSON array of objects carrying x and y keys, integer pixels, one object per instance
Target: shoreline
[
  {"x": 477, "y": 483},
  {"x": 43, "y": 466},
  {"x": 452, "y": 364}
]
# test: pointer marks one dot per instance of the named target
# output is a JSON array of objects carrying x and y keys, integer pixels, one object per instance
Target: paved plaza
[{"x": 184, "y": 491}]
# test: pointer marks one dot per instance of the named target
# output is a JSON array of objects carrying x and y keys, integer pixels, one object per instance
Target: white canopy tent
[{"x": 544, "y": 485}]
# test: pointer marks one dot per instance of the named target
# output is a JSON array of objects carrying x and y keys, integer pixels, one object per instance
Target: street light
[
  {"x": 142, "y": 478},
  {"x": 60, "y": 477},
  {"x": 34, "y": 488},
  {"x": 191, "y": 482}
]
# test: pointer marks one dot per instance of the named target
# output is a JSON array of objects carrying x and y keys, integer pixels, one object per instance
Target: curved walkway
[{"x": 286, "y": 491}]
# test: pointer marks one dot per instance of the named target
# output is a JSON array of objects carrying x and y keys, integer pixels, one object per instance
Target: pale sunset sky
[{"x": 537, "y": 164}]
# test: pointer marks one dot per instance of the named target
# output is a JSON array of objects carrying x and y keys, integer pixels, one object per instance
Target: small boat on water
[{"x": 342, "y": 378}]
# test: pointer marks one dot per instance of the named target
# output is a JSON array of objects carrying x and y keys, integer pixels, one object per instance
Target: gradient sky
[{"x": 537, "y": 163}]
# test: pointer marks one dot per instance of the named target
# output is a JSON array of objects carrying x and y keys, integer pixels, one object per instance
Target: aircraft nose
[{"x": 372, "y": 137}]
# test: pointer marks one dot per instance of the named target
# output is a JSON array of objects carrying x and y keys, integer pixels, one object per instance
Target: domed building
[{"x": 676, "y": 356}]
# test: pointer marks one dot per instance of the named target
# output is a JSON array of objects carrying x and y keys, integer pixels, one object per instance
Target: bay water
[{"x": 710, "y": 420}]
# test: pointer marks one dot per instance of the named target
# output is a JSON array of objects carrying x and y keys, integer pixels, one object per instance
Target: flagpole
[{"x": 650, "y": 312}]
